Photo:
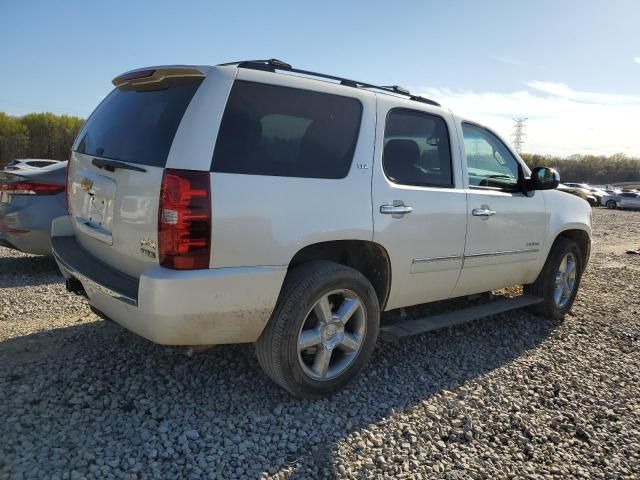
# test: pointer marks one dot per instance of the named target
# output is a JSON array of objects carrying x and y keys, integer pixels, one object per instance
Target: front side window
[
  {"x": 489, "y": 162},
  {"x": 286, "y": 132},
  {"x": 417, "y": 149}
]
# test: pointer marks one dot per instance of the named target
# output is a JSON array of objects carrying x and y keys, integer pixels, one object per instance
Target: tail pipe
[{"x": 73, "y": 285}]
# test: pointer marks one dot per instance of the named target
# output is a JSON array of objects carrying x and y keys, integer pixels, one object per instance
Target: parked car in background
[
  {"x": 596, "y": 192},
  {"x": 611, "y": 199},
  {"x": 599, "y": 194},
  {"x": 246, "y": 203},
  {"x": 583, "y": 193},
  {"x": 30, "y": 198},
  {"x": 30, "y": 163},
  {"x": 629, "y": 201}
]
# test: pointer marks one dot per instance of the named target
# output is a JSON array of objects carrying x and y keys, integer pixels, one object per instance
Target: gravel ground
[{"x": 512, "y": 396}]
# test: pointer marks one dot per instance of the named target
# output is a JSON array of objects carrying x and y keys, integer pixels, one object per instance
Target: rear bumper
[
  {"x": 171, "y": 307},
  {"x": 36, "y": 242},
  {"x": 92, "y": 273},
  {"x": 25, "y": 222}
]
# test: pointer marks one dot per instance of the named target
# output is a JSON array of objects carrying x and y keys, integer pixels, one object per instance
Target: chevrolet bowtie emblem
[{"x": 86, "y": 184}]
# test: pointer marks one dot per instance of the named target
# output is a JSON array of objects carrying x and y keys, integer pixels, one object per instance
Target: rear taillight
[
  {"x": 184, "y": 220},
  {"x": 25, "y": 187},
  {"x": 7, "y": 229}
]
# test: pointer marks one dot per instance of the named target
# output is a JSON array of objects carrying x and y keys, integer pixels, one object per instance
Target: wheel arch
[
  {"x": 369, "y": 258},
  {"x": 581, "y": 237}
]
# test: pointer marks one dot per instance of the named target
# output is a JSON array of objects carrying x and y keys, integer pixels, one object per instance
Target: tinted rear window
[
  {"x": 137, "y": 126},
  {"x": 286, "y": 132},
  {"x": 40, "y": 164}
]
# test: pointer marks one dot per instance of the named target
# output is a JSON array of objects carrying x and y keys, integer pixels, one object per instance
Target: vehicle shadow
[
  {"x": 28, "y": 270},
  {"x": 126, "y": 394}
]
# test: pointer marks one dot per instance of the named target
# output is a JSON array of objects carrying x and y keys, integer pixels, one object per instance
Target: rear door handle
[
  {"x": 395, "y": 209},
  {"x": 483, "y": 212}
]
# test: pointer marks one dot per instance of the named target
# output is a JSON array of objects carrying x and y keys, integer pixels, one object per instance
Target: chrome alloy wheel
[
  {"x": 565, "y": 280},
  {"x": 332, "y": 334}
]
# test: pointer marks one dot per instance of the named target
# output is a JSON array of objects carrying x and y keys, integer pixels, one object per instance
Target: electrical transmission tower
[{"x": 518, "y": 135}]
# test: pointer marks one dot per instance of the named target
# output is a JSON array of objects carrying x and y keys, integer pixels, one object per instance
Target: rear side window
[
  {"x": 286, "y": 132},
  {"x": 138, "y": 125},
  {"x": 417, "y": 149}
]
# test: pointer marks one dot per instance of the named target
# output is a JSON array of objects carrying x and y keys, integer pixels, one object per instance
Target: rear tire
[
  {"x": 611, "y": 204},
  {"x": 322, "y": 331},
  {"x": 559, "y": 280}
]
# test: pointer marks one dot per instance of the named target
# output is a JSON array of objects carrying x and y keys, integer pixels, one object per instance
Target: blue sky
[{"x": 571, "y": 66}]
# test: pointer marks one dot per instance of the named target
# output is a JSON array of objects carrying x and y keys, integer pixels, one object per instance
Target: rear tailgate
[{"x": 117, "y": 164}]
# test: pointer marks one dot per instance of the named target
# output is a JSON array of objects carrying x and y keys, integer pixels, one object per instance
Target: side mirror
[{"x": 544, "y": 178}]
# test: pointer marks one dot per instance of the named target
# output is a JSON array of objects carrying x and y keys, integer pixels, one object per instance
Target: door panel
[
  {"x": 502, "y": 249},
  {"x": 505, "y": 227},
  {"x": 426, "y": 245}
]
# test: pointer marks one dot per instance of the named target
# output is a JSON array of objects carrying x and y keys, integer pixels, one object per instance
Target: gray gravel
[{"x": 513, "y": 396}]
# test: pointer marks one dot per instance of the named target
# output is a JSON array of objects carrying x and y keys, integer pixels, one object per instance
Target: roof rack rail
[
  {"x": 398, "y": 89},
  {"x": 274, "y": 64}
]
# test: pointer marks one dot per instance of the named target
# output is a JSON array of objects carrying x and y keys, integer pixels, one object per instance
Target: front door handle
[
  {"x": 395, "y": 209},
  {"x": 483, "y": 212}
]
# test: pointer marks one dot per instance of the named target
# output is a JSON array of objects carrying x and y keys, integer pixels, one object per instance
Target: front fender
[{"x": 566, "y": 212}]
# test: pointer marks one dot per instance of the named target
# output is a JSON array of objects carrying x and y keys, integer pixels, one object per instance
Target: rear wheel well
[
  {"x": 369, "y": 258},
  {"x": 582, "y": 239}
]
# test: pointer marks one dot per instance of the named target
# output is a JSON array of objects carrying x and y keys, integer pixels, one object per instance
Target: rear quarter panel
[
  {"x": 34, "y": 213},
  {"x": 265, "y": 220}
]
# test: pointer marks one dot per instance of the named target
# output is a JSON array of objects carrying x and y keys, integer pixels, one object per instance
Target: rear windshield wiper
[{"x": 111, "y": 165}]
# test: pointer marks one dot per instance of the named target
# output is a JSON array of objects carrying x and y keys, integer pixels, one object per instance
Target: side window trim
[
  {"x": 521, "y": 168},
  {"x": 452, "y": 182}
]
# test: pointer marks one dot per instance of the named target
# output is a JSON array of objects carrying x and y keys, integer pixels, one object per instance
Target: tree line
[
  {"x": 37, "y": 135},
  {"x": 46, "y": 135},
  {"x": 593, "y": 169}
]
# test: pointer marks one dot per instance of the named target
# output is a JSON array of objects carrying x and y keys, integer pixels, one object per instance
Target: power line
[{"x": 518, "y": 135}]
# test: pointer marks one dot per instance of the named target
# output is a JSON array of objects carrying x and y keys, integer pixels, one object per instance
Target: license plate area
[{"x": 93, "y": 204}]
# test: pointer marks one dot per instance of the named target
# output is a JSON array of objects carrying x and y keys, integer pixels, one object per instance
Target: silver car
[
  {"x": 29, "y": 199},
  {"x": 629, "y": 201},
  {"x": 611, "y": 199}
]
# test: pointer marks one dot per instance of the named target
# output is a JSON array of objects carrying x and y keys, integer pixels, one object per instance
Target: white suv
[{"x": 255, "y": 202}]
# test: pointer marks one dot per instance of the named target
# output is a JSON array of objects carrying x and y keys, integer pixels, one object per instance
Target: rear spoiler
[{"x": 155, "y": 77}]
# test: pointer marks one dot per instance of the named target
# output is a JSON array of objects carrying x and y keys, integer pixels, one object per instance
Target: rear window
[
  {"x": 40, "y": 164},
  {"x": 286, "y": 132},
  {"x": 137, "y": 126}
]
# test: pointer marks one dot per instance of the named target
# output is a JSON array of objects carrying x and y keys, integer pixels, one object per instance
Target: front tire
[
  {"x": 322, "y": 331},
  {"x": 611, "y": 204},
  {"x": 559, "y": 280}
]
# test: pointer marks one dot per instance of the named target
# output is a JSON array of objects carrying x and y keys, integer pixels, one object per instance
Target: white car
[
  {"x": 255, "y": 202},
  {"x": 30, "y": 164}
]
